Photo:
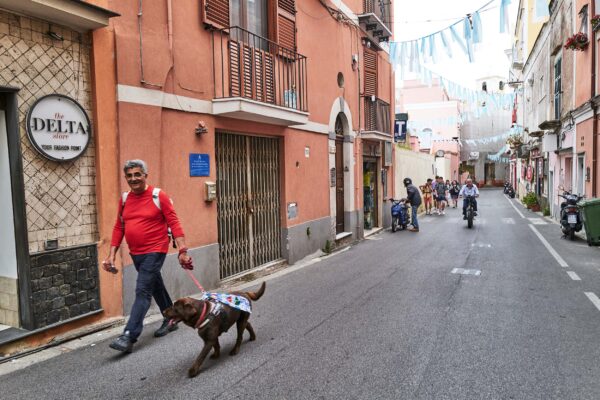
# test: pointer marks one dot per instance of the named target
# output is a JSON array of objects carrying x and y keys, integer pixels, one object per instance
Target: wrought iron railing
[
  {"x": 381, "y": 8},
  {"x": 377, "y": 115},
  {"x": 250, "y": 66}
]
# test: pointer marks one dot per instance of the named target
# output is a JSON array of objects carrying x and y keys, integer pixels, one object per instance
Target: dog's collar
[{"x": 202, "y": 320}]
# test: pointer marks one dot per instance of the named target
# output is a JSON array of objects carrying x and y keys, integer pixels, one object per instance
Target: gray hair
[{"x": 135, "y": 164}]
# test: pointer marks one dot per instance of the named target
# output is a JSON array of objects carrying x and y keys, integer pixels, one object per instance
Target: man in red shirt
[{"x": 144, "y": 221}]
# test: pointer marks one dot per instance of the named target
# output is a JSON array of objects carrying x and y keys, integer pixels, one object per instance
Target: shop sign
[
  {"x": 58, "y": 127},
  {"x": 529, "y": 172}
]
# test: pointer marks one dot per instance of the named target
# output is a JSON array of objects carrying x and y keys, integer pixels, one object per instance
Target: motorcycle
[
  {"x": 510, "y": 191},
  {"x": 399, "y": 214},
  {"x": 470, "y": 214},
  {"x": 506, "y": 186},
  {"x": 570, "y": 215}
]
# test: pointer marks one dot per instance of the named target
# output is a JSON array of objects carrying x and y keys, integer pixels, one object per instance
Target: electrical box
[{"x": 210, "y": 191}]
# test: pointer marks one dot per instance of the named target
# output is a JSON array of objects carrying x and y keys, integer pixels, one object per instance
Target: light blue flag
[
  {"x": 446, "y": 44},
  {"x": 432, "y": 49},
  {"x": 468, "y": 38},
  {"x": 393, "y": 54},
  {"x": 402, "y": 59},
  {"x": 541, "y": 9},
  {"x": 423, "y": 51},
  {"x": 504, "y": 15},
  {"x": 477, "y": 31},
  {"x": 458, "y": 39}
]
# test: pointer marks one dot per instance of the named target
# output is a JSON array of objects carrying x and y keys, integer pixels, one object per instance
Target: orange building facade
[{"x": 268, "y": 123}]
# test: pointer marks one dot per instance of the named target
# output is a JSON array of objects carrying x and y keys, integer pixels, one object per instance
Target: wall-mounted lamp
[{"x": 201, "y": 128}]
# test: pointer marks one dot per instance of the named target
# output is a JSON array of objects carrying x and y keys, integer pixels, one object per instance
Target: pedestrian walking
[
  {"x": 145, "y": 215},
  {"x": 414, "y": 198},
  {"x": 433, "y": 185},
  {"x": 454, "y": 191},
  {"x": 441, "y": 191},
  {"x": 427, "y": 191}
]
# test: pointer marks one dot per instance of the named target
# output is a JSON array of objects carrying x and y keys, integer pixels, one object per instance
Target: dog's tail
[{"x": 257, "y": 295}]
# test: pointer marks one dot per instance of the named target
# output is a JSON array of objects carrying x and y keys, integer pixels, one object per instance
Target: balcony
[
  {"x": 376, "y": 19},
  {"x": 377, "y": 119},
  {"x": 256, "y": 79}
]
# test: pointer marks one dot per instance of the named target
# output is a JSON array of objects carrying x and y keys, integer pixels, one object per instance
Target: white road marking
[
  {"x": 537, "y": 221},
  {"x": 515, "y": 207},
  {"x": 594, "y": 299},
  {"x": 509, "y": 221},
  {"x": 463, "y": 271},
  {"x": 556, "y": 256},
  {"x": 481, "y": 245},
  {"x": 573, "y": 276}
]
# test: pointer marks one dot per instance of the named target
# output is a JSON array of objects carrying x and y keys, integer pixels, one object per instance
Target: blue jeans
[
  {"x": 415, "y": 221},
  {"x": 149, "y": 284}
]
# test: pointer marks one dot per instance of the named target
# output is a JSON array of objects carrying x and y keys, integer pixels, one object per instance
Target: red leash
[{"x": 194, "y": 280}]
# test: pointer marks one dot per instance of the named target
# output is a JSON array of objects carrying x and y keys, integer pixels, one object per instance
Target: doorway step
[{"x": 343, "y": 239}]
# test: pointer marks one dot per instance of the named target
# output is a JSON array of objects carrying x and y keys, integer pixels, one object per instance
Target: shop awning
[{"x": 75, "y": 14}]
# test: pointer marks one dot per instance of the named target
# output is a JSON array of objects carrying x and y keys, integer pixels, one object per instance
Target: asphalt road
[{"x": 386, "y": 319}]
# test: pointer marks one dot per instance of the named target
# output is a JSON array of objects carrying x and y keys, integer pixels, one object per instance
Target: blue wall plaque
[{"x": 199, "y": 164}]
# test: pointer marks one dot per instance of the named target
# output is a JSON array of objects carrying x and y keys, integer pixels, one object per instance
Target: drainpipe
[{"x": 594, "y": 120}]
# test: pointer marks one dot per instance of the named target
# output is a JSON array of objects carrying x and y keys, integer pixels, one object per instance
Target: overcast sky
[{"x": 415, "y": 19}]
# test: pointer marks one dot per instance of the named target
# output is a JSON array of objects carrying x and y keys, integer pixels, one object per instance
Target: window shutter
[
  {"x": 286, "y": 24},
  {"x": 370, "y": 67},
  {"x": 215, "y": 13}
]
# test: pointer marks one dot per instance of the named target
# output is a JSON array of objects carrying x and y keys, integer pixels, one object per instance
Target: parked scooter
[
  {"x": 399, "y": 214},
  {"x": 570, "y": 215},
  {"x": 506, "y": 186},
  {"x": 510, "y": 191}
]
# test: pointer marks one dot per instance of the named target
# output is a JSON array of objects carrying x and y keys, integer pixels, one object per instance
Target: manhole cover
[{"x": 463, "y": 271}]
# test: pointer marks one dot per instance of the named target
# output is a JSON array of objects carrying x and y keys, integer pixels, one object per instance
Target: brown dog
[{"x": 212, "y": 319}]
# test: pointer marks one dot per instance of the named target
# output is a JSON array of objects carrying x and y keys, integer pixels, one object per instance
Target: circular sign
[
  {"x": 440, "y": 153},
  {"x": 529, "y": 172},
  {"x": 58, "y": 127}
]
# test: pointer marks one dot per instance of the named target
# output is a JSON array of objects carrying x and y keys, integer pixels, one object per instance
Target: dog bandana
[{"x": 239, "y": 302}]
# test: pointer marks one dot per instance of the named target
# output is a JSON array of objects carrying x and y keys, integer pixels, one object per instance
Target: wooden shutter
[
  {"x": 215, "y": 13},
  {"x": 370, "y": 67},
  {"x": 286, "y": 24}
]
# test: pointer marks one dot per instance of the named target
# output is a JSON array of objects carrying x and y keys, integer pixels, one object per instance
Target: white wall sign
[{"x": 58, "y": 127}]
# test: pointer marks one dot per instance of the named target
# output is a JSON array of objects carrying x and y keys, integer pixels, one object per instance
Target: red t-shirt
[{"x": 145, "y": 224}]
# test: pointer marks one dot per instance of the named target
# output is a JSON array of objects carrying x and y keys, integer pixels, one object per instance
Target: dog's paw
[
  {"x": 234, "y": 351},
  {"x": 192, "y": 372},
  {"x": 252, "y": 338},
  {"x": 214, "y": 356}
]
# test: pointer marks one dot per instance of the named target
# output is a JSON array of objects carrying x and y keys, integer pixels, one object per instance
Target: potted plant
[
  {"x": 531, "y": 202},
  {"x": 595, "y": 22},
  {"x": 577, "y": 42}
]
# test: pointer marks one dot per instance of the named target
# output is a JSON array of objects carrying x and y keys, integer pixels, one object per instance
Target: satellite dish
[{"x": 439, "y": 153}]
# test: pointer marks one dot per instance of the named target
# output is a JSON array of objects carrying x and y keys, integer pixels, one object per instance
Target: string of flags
[
  {"x": 498, "y": 156},
  {"x": 463, "y": 34}
]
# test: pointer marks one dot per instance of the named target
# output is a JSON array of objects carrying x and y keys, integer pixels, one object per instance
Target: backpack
[{"x": 156, "y": 202}]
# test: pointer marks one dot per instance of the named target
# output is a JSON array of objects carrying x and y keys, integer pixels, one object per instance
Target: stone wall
[
  {"x": 64, "y": 284},
  {"x": 60, "y": 197}
]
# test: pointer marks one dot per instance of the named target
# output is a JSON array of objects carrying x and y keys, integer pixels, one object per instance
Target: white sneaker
[{"x": 443, "y": 212}]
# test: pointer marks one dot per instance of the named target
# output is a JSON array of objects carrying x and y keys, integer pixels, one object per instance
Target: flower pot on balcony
[
  {"x": 577, "y": 42},
  {"x": 595, "y": 23}
]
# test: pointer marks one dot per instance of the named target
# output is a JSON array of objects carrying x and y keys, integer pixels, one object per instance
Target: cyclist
[{"x": 469, "y": 189}]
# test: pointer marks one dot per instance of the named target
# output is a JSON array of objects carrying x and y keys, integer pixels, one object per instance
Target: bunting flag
[
  {"x": 504, "y": 24},
  {"x": 477, "y": 31},
  {"x": 458, "y": 39},
  {"x": 446, "y": 44},
  {"x": 468, "y": 32}
]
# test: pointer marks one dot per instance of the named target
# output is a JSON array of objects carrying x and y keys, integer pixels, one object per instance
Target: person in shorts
[
  {"x": 441, "y": 191},
  {"x": 454, "y": 191},
  {"x": 427, "y": 191}
]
